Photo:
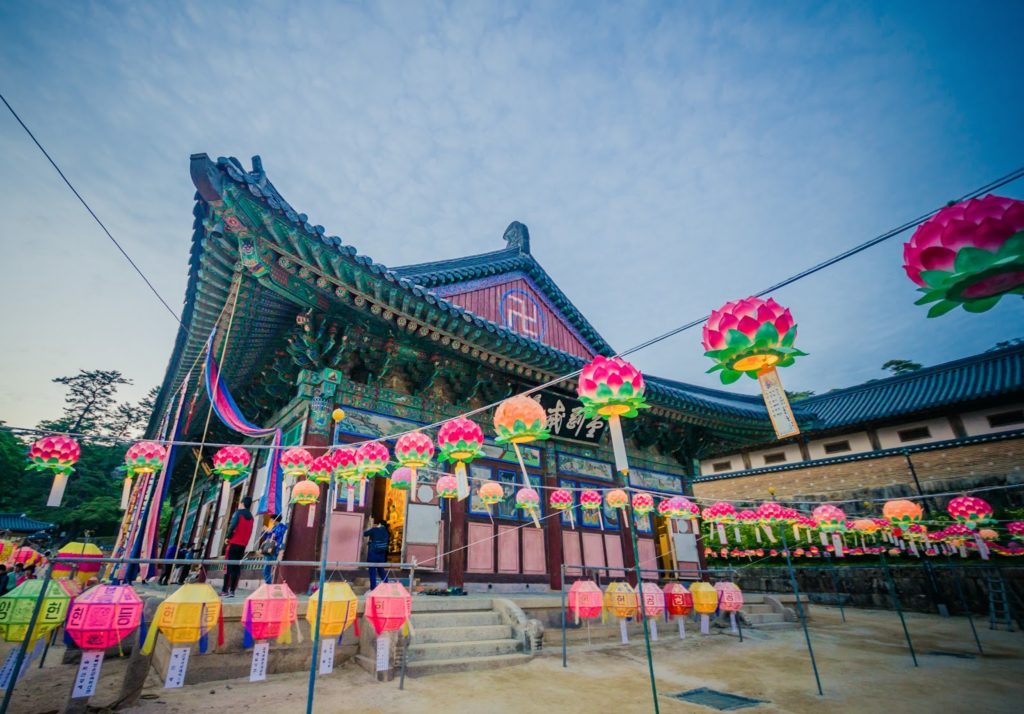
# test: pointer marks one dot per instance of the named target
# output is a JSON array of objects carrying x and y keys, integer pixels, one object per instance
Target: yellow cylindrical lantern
[
  {"x": 340, "y": 605},
  {"x": 620, "y": 600},
  {"x": 705, "y": 602},
  {"x": 187, "y": 617}
]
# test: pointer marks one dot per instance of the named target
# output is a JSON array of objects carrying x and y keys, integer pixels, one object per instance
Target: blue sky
[{"x": 666, "y": 158}]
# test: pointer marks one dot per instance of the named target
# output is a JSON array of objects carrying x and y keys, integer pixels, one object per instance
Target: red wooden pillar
[
  {"x": 456, "y": 543},
  {"x": 552, "y": 526},
  {"x": 303, "y": 541},
  {"x": 626, "y": 534}
]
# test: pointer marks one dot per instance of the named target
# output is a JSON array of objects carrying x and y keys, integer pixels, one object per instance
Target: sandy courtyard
[{"x": 864, "y": 666}]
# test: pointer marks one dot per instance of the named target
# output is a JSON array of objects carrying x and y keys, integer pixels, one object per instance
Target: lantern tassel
[
  {"x": 721, "y": 534},
  {"x": 618, "y": 444},
  {"x": 757, "y": 534},
  {"x": 126, "y": 492},
  {"x": 362, "y": 492},
  {"x": 350, "y": 494},
  {"x": 311, "y": 515},
  {"x": 982, "y": 546},
  {"x": 461, "y": 481},
  {"x": 522, "y": 464},
  {"x": 412, "y": 483},
  {"x": 654, "y": 629},
  {"x": 837, "y": 543},
  {"x": 623, "y": 632},
  {"x": 769, "y": 532},
  {"x": 60, "y": 481}
]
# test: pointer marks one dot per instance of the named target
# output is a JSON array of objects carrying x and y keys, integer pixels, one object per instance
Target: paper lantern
[
  {"x": 730, "y": 598},
  {"x": 829, "y": 519},
  {"x": 527, "y": 499},
  {"x": 27, "y": 556},
  {"x": 867, "y": 526},
  {"x": 103, "y": 615},
  {"x": 747, "y": 336},
  {"x": 142, "y": 457},
  {"x": 269, "y": 613},
  {"x": 7, "y": 548},
  {"x": 447, "y": 487},
  {"x": 987, "y": 534},
  {"x": 620, "y": 600},
  {"x": 57, "y": 454},
  {"x": 187, "y": 617},
  {"x": 612, "y": 388},
  {"x": 388, "y": 607},
  {"x": 305, "y": 493},
  {"x": 295, "y": 462},
  {"x": 678, "y": 600},
  {"x": 372, "y": 459},
  {"x": 402, "y": 478},
  {"x": 520, "y": 420},
  {"x": 585, "y": 600},
  {"x": 902, "y": 513},
  {"x": 969, "y": 254},
  {"x": 460, "y": 441},
  {"x": 652, "y": 599},
  {"x": 970, "y": 511},
  {"x": 720, "y": 515},
  {"x": 672, "y": 508},
  {"x": 590, "y": 500},
  {"x": 770, "y": 514},
  {"x": 616, "y": 498},
  {"x": 344, "y": 466},
  {"x": 340, "y": 606},
  {"x": 1016, "y": 529},
  {"x": 643, "y": 503},
  {"x": 705, "y": 602},
  {"x": 321, "y": 469},
  {"x": 414, "y": 451},
  {"x": 562, "y": 500},
  {"x": 491, "y": 493},
  {"x": 16, "y": 609},
  {"x": 231, "y": 461},
  {"x": 82, "y": 552}
]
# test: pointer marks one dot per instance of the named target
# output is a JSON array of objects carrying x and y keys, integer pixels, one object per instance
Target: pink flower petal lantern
[
  {"x": 527, "y": 499},
  {"x": 972, "y": 512},
  {"x": 562, "y": 500},
  {"x": 830, "y": 519},
  {"x": 295, "y": 462},
  {"x": 460, "y": 441},
  {"x": 414, "y": 450},
  {"x": 388, "y": 608},
  {"x": 447, "y": 487},
  {"x": 57, "y": 454},
  {"x": 229, "y": 462},
  {"x": 770, "y": 514},
  {"x": 720, "y": 515},
  {"x": 969, "y": 254},
  {"x": 372, "y": 459},
  {"x": 612, "y": 388},
  {"x": 590, "y": 500},
  {"x": 142, "y": 458}
]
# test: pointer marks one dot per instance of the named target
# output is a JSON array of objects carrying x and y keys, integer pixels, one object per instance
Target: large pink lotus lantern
[
  {"x": 295, "y": 462},
  {"x": 562, "y": 500},
  {"x": 1016, "y": 529},
  {"x": 414, "y": 451},
  {"x": 612, "y": 388},
  {"x": 460, "y": 441},
  {"x": 969, "y": 254},
  {"x": 747, "y": 336},
  {"x": 970, "y": 511},
  {"x": 59, "y": 455},
  {"x": 344, "y": 468},
  {"x": 372, "y": 459},
  {"x": 591, "y": 500},
  {"x": 720, "y": 515},
  {"x": 321, "y": 469},
  {"x": 771, "y": 514},
  {"x": 143, "y": 457},
  {"x": 231, "y": 461},
  {"x": 643, "y": 503},
  {"x": 830, "y": 519},
  {"x": 528, "y": 499}
]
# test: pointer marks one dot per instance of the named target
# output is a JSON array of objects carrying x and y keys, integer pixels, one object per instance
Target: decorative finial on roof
[{"x": 517, "y": 235}]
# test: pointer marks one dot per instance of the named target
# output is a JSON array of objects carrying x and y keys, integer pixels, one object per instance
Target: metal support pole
[
  {"x": 929, "y": 572},
  {"x": 19, "y": 659},
  {"x": 835, "y": 589},
  {"x": 315, "y": 660},
  {"x": 800, "y": 609},
  {"x": 405, "y": 653},
  {"x": 639, "y": 587},
  {"x": 963, "y": 603},
  {"x": 564, "y": 626},
  {"x": 896, "y": 604}
]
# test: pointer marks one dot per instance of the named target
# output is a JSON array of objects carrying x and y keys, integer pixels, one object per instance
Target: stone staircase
[
  {"x": 762, "y": 613},
  {"x": 458, "y": 634}
]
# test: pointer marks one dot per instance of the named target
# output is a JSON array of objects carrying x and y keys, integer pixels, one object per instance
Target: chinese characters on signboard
[{"x": 566, "y": 419}]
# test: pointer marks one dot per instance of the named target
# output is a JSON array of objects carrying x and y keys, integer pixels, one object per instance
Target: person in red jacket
[{"x": 239, "y": 532}]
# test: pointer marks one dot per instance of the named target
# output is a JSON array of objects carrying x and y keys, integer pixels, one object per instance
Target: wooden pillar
[
  {"x": 626, "y": 533},
  {"x": 552, "y": 525},
  {"x": 456, "y": 560},
  {"x": 303, "y": 541}
]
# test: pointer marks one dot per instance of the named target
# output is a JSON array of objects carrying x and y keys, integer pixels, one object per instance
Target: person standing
[
  {"x": 377, "y": 551},
  {"x": 238, "y": 535},
  {"x": 271, "y": 543},
  {"x": 165, "y": 575}
]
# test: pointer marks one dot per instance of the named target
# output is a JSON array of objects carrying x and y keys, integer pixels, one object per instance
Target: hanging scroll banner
[{"x": 777, "y": 403}]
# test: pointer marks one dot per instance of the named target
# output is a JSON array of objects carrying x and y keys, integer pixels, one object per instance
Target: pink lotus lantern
[
  {"x": 402, "y": 478},
  {"x": 612, "y": 388},
  {"x": 957, "y": 535},
  {"x": 528, "y": 499},
  {"x": 321, "y": 469},
  {"x": 769, "y": 514},
  {"x": 679, "y": 602},
  {"x": 1016, "y": 529},
  {"x": 561, "y": 500},
  {"x": 229, "y": 462},
  {"x": 344, "y": 469},
  {"x": 371, "y": 460},
  {"x": 720, "y": 515},
  {"x": 295, "y": 462},
  {"x": 460, "y": 441},
  {"x": 829, "y": 519},
  {"x": 414, "y": 450},
  {"x": 972, "y": 512},
  {"x": 388, "y": 608},
  {"x": 590, "y": 500},
  {"x": 651, "y": 601},
  {"x": 643, "y": 503},
  {"x": 969, "y": 254},
  {"x": 269, "y": 614},
  {"x": 447, "y": 487},
  {"x": 586, "y": 600},
  {"x": 142, "y": 458},
  {"x": 57, "y": 454},
  {"x": 748, "y": 518}
]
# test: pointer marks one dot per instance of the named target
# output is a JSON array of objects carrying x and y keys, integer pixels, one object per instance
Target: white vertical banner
[
  {"x": 383, "y": 653},
  {"x": 176, "y": 667},
  {"x": 623, "y": 632},
  {"x": 88, "y": 674},
  {"x": 258, "y": 669},
  {"x": 327, "y": 656}
]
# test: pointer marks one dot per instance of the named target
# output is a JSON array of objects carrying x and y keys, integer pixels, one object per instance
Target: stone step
[
  {"x": 459, "y": 650},
  {"x": 450, "y": 604},
  {"x": 430, "y": 635},
  {"x": 764, "y": 618},
  {"x": 463, "y": 664},
  {"x": 471, "y": 618},
  {"x": 755, "y": 609}
]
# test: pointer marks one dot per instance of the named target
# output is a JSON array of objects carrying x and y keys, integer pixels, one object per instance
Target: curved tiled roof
[
  {"x": 973, "y": 379},
  {"x": 20, "y": 523}
]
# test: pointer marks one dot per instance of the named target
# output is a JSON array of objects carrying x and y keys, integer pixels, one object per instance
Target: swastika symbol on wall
[{"x": 521, "y": 313}]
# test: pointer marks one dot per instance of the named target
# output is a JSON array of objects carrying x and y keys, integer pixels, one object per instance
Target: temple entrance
[
  {"x": 663, "y": 538},
  {"x": 389, "y": 507}
]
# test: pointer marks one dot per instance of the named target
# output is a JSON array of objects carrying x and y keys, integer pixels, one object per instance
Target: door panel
[
  {"x": 648, "y": 557},
  {"x": 508, "y": 549},
  {"x": 534, "y": 560},
  {"x": 571, "y": 554},
  {"x": 613, "y": 551},
  {"x": 593, "y": 550},
  {"x": 480, "y": 555}
]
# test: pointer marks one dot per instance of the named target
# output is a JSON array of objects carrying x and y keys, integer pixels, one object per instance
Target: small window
[
  {"x": 914, "y": 433},
  {"x": 720, "y": 466},
  {"x": 779, "y": 457},
  {"x": 837, "y": 447},
  {"x": 1006, "y": 418}
]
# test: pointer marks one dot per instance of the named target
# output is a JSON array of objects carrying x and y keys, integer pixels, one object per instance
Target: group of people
[{"x": 14, "y": 576}]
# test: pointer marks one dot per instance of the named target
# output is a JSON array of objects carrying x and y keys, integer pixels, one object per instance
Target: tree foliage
[{"x": 901, "y": 366}]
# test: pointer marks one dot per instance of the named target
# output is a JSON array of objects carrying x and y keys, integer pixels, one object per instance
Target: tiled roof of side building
[
  {"x": 999, "y": 373},
  {"x": 20, "y": 523}
]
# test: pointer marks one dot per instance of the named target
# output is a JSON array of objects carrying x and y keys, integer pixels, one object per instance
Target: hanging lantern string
[{"x": 1004, "y": 180}]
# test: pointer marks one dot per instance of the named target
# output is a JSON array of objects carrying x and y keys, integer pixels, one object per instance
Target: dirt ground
[{"x": 864, "y": 666}]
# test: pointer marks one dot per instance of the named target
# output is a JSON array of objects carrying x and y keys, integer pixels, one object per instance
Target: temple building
[{"x": 307, "y": 324}]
